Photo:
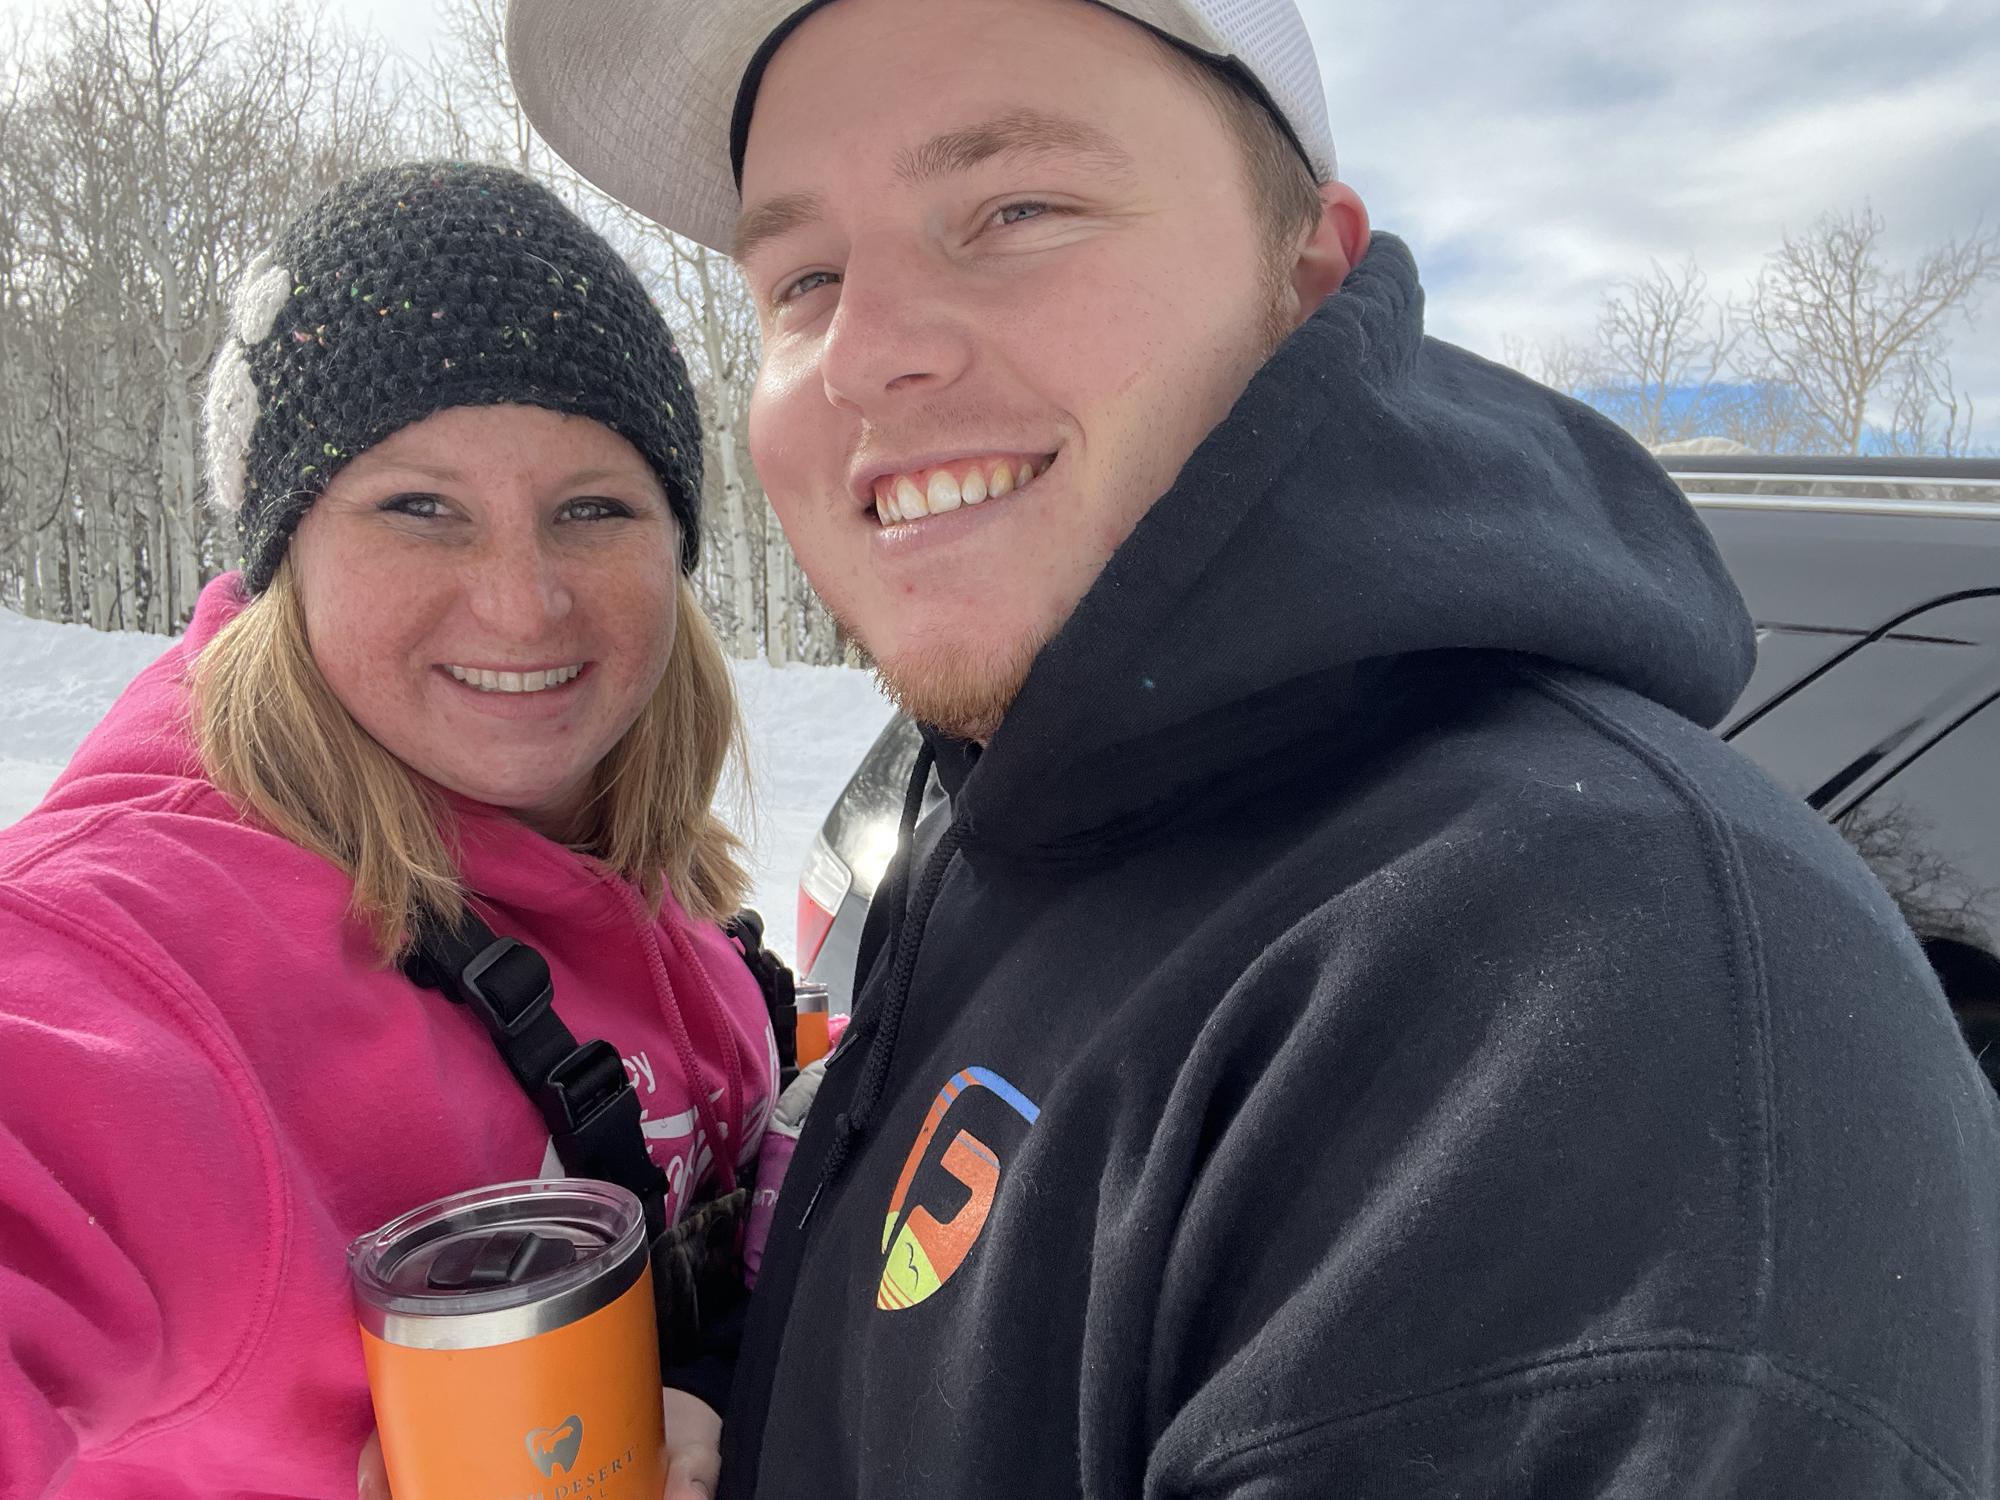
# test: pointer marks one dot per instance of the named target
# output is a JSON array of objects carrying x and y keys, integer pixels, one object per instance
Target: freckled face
[
  {"x": 490, "y": 593},
  {"x": 1015, "y": 241}
]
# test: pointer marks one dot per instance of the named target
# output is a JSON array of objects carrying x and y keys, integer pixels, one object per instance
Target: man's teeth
[
  {"x": 905, "y": 499},
  {"x": 514, "y": 682}
]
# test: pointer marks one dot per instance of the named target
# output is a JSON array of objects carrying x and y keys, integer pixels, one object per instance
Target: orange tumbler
[
  {"x": 511, "y": 1347},
  {"x": 809, "y": 1000}
]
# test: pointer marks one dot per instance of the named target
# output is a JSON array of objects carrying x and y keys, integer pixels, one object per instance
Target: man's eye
[
  {"x": 595, "y": 509},
  {"x": 812, "y": 281},
  {"x": 424, "y": 507},
  {"x": 1015, "y": 213}
]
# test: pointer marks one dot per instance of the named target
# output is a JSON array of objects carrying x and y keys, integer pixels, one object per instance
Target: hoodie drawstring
[
  {"x": 725, "y": 1147},
  {"x": 725, "y": 1038},
  {"x": 906, "y": 938}
]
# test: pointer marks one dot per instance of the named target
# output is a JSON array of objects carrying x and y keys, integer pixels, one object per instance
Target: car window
[
  {"x": 1819, "y": 578},
  {"x": 1879, "y": 706},
  {"x": 1785, "y": 654},
  {"x": 1932, "y": 834}
]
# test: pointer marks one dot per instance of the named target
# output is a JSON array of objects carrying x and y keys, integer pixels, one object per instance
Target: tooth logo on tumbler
[
  {"x": 555, "y": 1448},
  {"x": 925, "y": 1250}
]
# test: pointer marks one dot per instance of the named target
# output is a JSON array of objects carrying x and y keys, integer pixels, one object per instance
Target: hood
[{"x": 1374, "y": 494}]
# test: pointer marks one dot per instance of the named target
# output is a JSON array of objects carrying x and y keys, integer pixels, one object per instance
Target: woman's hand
[
  {"x": 694, "y": 1452},
  {"x": 694, "y": 1446}
]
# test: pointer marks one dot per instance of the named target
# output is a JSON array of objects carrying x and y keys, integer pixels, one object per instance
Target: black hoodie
[{"x": 1360, "y": 1034}]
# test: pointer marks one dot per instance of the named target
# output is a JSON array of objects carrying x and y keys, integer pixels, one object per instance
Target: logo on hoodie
[{"x": 925, "y": 1250}]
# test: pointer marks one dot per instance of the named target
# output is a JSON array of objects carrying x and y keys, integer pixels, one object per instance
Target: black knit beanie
[{"x": 417, "y": 288}]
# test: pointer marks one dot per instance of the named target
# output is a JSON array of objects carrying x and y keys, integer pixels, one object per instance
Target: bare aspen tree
[
  {"x": 163, "y": 61},
  {"x": 1662, "y": 345},
  {"x": 474, "y": 113},
  {"x": 726, "y": 389},
  {"x": 1765, "y": 416},
  {"x": 779, "y": 596},
  {"x": 1560, "y": 364},
  {"x": 1933, "y": 417},
  {"x": 75, "y": 195},
  {"x": 1833, "y": 350},
  {"x": 154, "y": 147},
  {"x": 19, "y": 529},
  {"x": 1853, "y": 335}
]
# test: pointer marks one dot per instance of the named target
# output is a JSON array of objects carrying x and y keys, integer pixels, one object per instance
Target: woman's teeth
[
  {"x": 911, "y": 497},
  {"x": 514, "y": 682}
]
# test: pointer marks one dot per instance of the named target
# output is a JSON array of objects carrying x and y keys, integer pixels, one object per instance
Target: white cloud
[{"x": 1531, "y": 157}]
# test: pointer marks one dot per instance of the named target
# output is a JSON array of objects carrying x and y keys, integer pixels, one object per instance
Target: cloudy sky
[{"x": 1532, "y": 154}]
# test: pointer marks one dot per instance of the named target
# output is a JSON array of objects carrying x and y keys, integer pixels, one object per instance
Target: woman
[{"x": 462, "y": 660}]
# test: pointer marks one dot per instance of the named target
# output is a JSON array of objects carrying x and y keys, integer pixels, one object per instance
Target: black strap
[
  {"x": 781, "y": 1000},
  {"x": 581, "y": 1089}
]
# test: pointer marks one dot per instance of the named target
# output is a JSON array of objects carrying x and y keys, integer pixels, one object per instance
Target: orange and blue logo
[{"x": 923, "y": 1251}]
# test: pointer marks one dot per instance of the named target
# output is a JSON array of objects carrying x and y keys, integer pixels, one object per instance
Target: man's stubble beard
[{"x": 963, "y": 695}]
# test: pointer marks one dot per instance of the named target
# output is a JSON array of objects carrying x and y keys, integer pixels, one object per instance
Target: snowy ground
[{"x": 808, "y": 727}]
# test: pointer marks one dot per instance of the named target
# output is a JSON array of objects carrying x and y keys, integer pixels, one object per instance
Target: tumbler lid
[{"x": 498, "y": 1263}]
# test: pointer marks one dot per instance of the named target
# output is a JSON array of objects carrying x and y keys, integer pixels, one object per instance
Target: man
[{"x": 1356, "y": 1032}]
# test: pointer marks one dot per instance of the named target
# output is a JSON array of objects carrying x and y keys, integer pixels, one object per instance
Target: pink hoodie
[{"x": 208, "y": 1088}]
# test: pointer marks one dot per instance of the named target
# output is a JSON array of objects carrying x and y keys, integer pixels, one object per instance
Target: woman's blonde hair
[{"x": 275, "y": 739}]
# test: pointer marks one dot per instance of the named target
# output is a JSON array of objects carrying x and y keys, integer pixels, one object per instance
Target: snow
[
  {"x": 60, "y": 680},
  {"x": 808, "y": 726}
]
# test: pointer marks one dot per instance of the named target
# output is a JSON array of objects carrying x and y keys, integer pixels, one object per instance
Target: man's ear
[{"x": 1335, "y": 247}]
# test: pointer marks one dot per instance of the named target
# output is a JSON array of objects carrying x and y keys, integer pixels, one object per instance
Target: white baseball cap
[{"x": 651, "y": 99}]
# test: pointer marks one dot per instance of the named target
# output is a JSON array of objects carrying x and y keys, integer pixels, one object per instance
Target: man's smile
[{"x": 934, "y": 490}]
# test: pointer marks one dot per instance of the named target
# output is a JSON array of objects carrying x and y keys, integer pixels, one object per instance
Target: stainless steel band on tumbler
[{"x": 499, "y": 1263}]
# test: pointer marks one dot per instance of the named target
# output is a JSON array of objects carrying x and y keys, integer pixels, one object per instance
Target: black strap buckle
[
  {"x": 593, "y": 1116},
  {"x": 584, "y": 1085},
  {"x": 509, "y": 985},
  {"x": 582, "y": 1092}
]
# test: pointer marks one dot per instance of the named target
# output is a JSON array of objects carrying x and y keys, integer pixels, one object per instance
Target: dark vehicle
[{"x": 1875, "y": 585}]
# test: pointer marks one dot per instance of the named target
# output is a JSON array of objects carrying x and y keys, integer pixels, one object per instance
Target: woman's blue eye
[
  {"x": 421, "y": 506},
  {"x": 596, "y": 510}
]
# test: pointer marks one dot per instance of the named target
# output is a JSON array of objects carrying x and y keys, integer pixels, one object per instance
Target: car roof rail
[
  {"x": 1966, "y": 488},
  {"x": 1881, "y": 470}
]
